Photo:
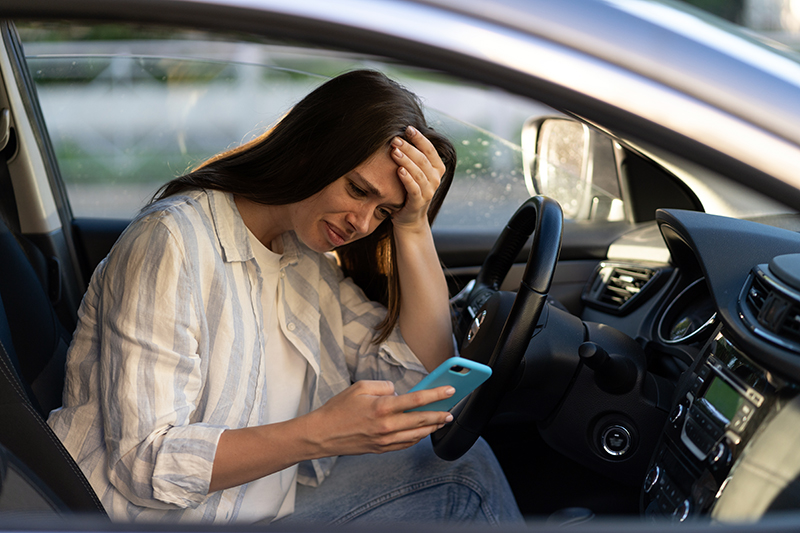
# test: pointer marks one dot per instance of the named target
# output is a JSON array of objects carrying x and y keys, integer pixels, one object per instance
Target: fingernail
[
  {"x": 449, "y": 418},
  {"x": 411, "y": 131},
  {"x": 450, "y": 391},
  {"x": 397, "y": 153},
  {"x": 402, "y": 171},
  {"x": 397, "y": 141}
]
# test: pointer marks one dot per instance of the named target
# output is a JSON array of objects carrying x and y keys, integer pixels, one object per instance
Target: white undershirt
[{"x": 285, "y": 396}]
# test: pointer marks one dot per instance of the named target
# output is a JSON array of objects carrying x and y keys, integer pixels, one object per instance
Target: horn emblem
[{"x": 476, "y": 325}]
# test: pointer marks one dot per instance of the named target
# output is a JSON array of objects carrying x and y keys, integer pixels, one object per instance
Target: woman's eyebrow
[{"x": 371, "y": 189}]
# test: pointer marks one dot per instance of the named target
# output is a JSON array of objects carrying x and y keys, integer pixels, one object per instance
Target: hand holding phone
[{"x": 462, "y": 374}]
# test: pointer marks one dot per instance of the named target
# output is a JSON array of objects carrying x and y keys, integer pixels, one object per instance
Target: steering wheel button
[
  {"x": 677, "y": 413},
  {"x": 476, "y": 326}
]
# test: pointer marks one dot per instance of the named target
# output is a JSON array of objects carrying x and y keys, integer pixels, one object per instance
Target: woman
[{"x": 222, "y": 356}]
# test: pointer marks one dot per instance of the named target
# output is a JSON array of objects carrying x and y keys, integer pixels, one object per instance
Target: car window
[{"x": 128, "y": 109}]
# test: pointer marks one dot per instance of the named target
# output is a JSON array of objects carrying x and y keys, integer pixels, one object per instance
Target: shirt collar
[
  {"x": 291, "y": 249},
  {"x": 232, "y": 232},
  {"x": 229, "y": 226}
]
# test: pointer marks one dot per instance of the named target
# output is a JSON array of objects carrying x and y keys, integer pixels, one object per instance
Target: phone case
[{"x": 463, "y": 374}]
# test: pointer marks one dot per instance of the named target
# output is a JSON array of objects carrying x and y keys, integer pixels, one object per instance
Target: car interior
[{"x": 640, "y": 343}]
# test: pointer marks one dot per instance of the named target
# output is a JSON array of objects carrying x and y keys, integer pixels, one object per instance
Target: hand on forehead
[{"x": 420, "y": 170}]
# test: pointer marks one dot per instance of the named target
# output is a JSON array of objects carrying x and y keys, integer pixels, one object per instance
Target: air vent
[
  {"x": 757, "y": 294},
  {"x": 790, "y": 328},
  {"x": 618, "y": 288},
  {"x": 771, "y": 309}
]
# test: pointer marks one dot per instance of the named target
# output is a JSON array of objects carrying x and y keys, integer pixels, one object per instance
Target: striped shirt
[{"x": 168, "y": 354}]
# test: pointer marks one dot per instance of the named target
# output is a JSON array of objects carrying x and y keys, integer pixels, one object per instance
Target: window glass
[{"x": 129, "y": 108}]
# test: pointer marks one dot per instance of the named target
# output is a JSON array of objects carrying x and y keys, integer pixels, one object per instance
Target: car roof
[{"x": 672, "y": 43}]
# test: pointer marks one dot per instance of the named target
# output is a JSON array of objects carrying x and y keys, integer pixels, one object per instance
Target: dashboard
[
  {"x": 718, "y": 317},
  {"x": 721, "y": 403}
]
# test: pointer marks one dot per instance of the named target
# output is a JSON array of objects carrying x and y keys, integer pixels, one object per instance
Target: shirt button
[
  {"x": 283, "y": 274},
  {"x": 290, "y": 326}
]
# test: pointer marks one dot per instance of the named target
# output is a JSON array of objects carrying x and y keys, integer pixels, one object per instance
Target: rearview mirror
[{"x": 575, "y": 165}]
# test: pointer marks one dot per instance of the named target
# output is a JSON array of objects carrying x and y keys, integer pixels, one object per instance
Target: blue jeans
[{"x": 408, "y": 486}]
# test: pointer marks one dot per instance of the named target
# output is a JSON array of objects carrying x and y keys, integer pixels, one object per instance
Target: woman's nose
[{"x": 360, "y": 220}]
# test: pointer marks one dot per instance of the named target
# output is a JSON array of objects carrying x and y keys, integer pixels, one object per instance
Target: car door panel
[{"x": 94, "y": 238}]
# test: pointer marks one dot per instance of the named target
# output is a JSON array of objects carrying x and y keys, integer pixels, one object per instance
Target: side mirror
[{"x": 575, "y": 165}]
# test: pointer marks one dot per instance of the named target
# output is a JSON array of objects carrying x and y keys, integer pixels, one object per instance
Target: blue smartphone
[{"x": 463, "y": 374}]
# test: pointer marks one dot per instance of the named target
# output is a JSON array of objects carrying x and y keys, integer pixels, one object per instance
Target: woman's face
[{"x": 351, "y": 207}]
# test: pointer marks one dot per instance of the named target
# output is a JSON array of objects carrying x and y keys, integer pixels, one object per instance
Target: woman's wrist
[{"x": 413, "y": 230}]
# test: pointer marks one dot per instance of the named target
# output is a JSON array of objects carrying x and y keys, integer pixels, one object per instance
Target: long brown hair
[{"x": 327, "y": 134}]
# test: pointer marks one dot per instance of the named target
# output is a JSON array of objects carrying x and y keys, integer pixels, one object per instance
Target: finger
[
  {"x": 416, "y": 399},
  {"x": 426, "y": 147},
  {"x": 417, "y": 419},
  {"x": 422, "y": 419},
  {"x": 412, "y": 436},
  {"x": 418, "y": 163},
  {"x": 413, "y": 161},
  {"x": 411, "y": 421},
  {"x": 388, "y": 405},
  {"x": 391, "y": 419},
  {"x": 414, "y": 192},
  {"x": 419, "y": 187}
]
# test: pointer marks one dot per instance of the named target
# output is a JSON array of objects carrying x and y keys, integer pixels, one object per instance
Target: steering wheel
[{"x": 484, "y": 332}]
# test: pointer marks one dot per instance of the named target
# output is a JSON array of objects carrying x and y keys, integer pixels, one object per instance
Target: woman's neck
[{"x": 266, "y": 222}]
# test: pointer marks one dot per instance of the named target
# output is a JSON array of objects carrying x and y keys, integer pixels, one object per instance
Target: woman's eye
[
  {"x": 357, "y": 191},
  {"x": 384, "y": 214}
]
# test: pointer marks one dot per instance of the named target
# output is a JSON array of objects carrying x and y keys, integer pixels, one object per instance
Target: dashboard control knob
[
  {"x": 721, "y": 455},
  {"x": 677, "y": 413},
  {"x": 681, "y": 513},
  {"x": 652, "y": 478}
]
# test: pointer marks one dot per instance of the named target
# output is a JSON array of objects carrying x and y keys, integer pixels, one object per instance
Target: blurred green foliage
[{"x": 727, "y": 9}]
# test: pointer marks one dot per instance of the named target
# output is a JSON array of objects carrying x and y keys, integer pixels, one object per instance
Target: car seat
[{"x": 33, "y": 347}]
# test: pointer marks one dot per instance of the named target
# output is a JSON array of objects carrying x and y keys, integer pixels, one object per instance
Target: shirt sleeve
[
  {"x": 150, "y": 369},
  {"x": 390, "y": 360}
]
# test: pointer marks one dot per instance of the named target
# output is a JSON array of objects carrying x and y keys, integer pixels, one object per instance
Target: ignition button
[{"x": 616, "y": 440}]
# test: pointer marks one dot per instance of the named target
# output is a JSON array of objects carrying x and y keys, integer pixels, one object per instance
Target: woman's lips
[{"x": 334, "y": 236}]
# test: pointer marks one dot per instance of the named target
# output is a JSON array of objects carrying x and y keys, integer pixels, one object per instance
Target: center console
[{"x": 722, "y": 400}]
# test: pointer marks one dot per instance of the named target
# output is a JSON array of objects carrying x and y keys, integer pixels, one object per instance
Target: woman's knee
[{"x": 480, "y": 463}]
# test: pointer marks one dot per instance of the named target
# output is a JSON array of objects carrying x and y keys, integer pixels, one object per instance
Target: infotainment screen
[{"x": 725, "y": 400}]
